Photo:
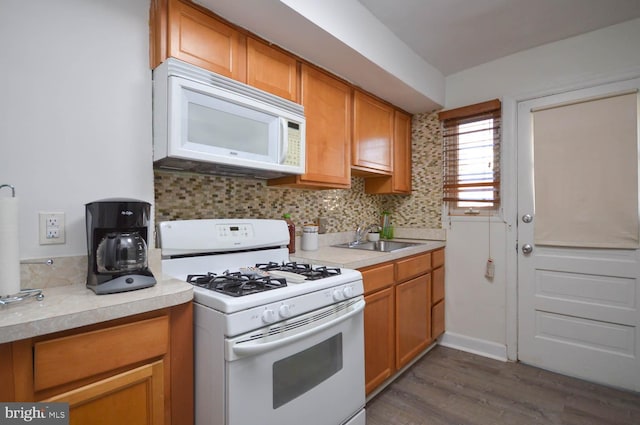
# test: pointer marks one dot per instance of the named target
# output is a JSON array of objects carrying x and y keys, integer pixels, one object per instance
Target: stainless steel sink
[{"x": 380, "y": 246}]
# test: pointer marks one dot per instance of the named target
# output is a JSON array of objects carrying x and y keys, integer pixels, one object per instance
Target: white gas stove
[{"x": 288, "y": 336}]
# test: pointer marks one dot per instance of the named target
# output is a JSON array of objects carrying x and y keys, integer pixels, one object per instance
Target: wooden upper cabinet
[
  {"x": 372, "y": 146},
  {"x": 327, "y": 107},
  {"x": 400, "y": 180},
  {"x": 187, "y": 32},
  {"x": 272, "y": 70},
  {"x": 402, "y": 153}
]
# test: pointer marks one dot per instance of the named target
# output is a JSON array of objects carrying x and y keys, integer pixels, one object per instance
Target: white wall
[
  {"x": 75, "y": 110},
  {"x": 609, "y": 53},
  {"x": 573, "y": 61}
]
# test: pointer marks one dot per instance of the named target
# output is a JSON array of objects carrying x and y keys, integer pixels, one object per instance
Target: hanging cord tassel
[{"x": 490, "y": 268}]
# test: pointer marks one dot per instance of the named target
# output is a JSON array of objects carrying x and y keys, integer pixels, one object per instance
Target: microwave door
[
  {"x": 233, "y": 132},
  {"x": 214, "y": 129}
]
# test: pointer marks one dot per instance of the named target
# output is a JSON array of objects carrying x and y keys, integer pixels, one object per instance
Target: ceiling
[
  {"x": 408, "y": 47},
  {"x": 454, "y": 35}
]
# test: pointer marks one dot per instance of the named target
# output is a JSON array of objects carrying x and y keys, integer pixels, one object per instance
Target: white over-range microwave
[{"x": 208, "y": 123}]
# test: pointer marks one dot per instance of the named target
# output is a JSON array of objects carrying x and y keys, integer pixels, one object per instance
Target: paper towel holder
[
  {"x": 24, "y": 293},
  {"x": 13, "y": 189}
]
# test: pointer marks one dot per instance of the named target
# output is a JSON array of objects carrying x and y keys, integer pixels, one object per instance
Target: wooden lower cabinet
[
  {"x": 437, "y": 319},
  {"x": 413, "y": 318},
  {"x": 400, "y": 318},
  {"x": 437, "y": 294},
  {"x": 133, "y": 397},
  {"x": 379, "y": 337},
  {"x": 135, "y": 370}
]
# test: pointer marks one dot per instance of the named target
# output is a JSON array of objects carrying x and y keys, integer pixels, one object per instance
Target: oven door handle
[{"x": 250, "y": 349}]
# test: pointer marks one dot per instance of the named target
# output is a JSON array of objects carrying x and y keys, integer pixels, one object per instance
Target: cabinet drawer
[
  {"x": 63, "y": 360},
  {"x": 413, "y": 266},
  {"x": 437, "y": 258},
  {"x": 437, "y": 288},
  {"x": 377, "y": 277},
  {"x": 437, "y": 320},
  {"x": 132, "y": 397}
]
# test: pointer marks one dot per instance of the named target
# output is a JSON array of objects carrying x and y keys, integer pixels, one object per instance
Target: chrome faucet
[{"x": 362, "y": 230}]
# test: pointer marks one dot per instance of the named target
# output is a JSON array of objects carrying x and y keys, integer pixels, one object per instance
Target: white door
[{"x": 578, "y": 262}]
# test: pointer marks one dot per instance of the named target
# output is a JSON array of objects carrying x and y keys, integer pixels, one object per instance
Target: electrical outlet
[{"x": 51, "y": 228}]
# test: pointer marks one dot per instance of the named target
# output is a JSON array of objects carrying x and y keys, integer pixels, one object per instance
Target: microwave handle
[
  {"x": 284, "y": 140},
  {"x": 254, "y": 348}
]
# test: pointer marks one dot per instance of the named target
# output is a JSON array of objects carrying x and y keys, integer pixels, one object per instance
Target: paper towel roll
[{"x": 9, "y": 247}]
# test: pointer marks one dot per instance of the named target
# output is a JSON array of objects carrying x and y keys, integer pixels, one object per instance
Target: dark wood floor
[{"x": 453, "y": 387}]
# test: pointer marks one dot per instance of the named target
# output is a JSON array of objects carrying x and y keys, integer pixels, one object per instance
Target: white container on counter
[{"x": 309, "y": 237}]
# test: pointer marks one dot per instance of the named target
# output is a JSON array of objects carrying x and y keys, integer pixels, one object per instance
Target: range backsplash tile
[{"x": 183, "y": 195}]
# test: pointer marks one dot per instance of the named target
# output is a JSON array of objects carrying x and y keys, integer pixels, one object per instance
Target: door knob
[{"x": 527, "y": 248}]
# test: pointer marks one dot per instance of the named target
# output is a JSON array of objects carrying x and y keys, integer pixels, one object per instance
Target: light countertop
[
  {"x": 71, "y": 306},
  {"x": 356, "y": 258}
]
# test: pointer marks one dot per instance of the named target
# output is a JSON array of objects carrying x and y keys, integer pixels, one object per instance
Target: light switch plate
[{"x": 52, "y": 229}]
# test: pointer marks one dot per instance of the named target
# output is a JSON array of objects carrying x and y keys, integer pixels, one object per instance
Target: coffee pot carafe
[
  {"x": 117, "y": 231},
  {"x": 121, "y": 252}
]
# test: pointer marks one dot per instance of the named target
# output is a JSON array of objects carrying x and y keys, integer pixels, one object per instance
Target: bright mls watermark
[{"x": 34, "y": 413}]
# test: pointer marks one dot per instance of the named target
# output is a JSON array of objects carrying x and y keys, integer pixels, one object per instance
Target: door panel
[{"x": 578, "y": 307}]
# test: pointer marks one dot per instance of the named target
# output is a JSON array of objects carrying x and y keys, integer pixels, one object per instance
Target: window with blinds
[{"x": 471, "y": 142}]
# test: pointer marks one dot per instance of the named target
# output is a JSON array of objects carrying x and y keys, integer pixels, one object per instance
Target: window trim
[{"x": 449, "y": 121}]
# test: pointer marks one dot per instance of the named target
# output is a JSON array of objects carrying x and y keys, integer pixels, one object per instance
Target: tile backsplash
[{"x": 183, "y": 195}]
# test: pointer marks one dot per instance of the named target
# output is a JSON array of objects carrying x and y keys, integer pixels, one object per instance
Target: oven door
[{"x": 310, "y": 367}]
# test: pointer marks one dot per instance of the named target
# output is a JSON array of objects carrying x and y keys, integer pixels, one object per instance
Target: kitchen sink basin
[{"x": 380, "y": 246}]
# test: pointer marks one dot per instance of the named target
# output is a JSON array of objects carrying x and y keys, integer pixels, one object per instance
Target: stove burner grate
[
  {"x": 303, "y": 269},
  {"x": 236, "y": 284}
]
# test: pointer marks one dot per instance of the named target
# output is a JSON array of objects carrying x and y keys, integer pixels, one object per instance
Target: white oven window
[{"x": 299, "y": 373}]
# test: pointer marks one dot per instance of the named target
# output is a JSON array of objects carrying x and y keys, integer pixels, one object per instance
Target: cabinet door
[
  {"x": 202, "y": 40},
  {"x": 372, "y": 146},
  {"x": 133, "y": 397},
  {"x": 437, "y": 292},
  {"x": 272, "y": 70},
  {"x": 378, "y": 338},
  {"x": 413, "y": 318},
  {"x": 437, "y": 320},
  {"x": 327, "y": 107},
  {"x": 400, "y": 180}
]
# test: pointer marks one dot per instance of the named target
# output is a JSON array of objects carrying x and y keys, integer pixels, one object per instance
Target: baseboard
[{"x": 474, "y": 345}]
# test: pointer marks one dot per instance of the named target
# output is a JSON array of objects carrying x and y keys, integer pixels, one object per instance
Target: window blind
[{"x": 471, "y": 142}]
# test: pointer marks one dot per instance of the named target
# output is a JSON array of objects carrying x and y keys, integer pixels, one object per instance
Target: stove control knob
[
  {"x": 338, "y": 295},
  {"x": 268, "y": 316},
  {"x": 284, "y": 311},
  {"x": 347, "y": 291}
]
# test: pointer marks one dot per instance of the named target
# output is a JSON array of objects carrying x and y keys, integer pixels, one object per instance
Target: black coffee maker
[{"x": 117, "y": 232}]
